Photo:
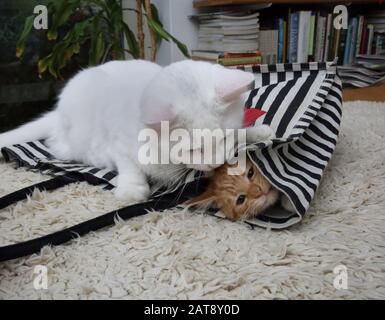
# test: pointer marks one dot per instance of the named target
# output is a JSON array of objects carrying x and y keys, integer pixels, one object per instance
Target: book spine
[
  {"x": 288, "y": 30},
  {"x": 359, "y": 35},
  {"x": 348, "y": 42},
  {"x": 311, "y": 37},
  {"x": 327, "y": 36},
  {"x": 337, "y": 35},
  {"x": 353, "y": 39},
  {"x": 280, "y": 41},
  {"x": 233, "y": 61},
  {"x": 274, "y": 45},
  {"x": 332, "y": 34},
  {"x": 378, "y": 44},
  {"x": 284, "y": 45},
  {"x": 322, "y": 39},
  {"x": 341, "y": 46},
  {"x": 370, "y": 39},
  {"x": 382, "y": 50},
  {"x": 303, "y": 36},
  {"x": 293, "y": 46},
  {"x": 364, "y": 38},
  {"x": 229, "y": 55}
]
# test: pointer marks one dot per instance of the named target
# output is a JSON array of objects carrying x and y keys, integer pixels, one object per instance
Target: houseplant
[{"x": 97, "y": 25}]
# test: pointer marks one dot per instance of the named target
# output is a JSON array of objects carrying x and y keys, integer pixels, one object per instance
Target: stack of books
[
  {"x": 228, "y": 37},
  {"x": 367, "y": 70}
]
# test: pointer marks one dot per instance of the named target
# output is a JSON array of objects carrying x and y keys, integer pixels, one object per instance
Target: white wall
[{"x": 174, "y": 16}]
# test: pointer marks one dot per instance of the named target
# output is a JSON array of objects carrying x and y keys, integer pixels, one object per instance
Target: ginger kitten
[{"x": 240, "y": 197}]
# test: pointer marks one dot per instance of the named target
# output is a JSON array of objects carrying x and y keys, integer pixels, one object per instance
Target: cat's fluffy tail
[{"x": 35, "y": 130}]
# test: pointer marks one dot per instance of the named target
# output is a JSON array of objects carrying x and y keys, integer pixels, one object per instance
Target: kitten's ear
[
  {"x": 231, "y": 83},
  {"x": 152, "y": 113}
]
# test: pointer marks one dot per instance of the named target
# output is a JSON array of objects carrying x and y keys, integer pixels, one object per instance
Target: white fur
[{"x": 102, "y": 109}]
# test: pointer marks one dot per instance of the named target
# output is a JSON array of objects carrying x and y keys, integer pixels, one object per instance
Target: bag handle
[
  {"x": 35, "y": 245},
  {"x": 52, "y": 184}
]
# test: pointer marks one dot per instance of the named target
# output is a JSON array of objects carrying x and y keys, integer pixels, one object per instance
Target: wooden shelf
[
  {"x": 374, "y": 93},
  {"x": 212, "y": 3}
]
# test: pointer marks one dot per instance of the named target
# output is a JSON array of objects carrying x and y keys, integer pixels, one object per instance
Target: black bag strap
[
  {"x": 25, "y": 248},
  {"x": 52, "y": 184}
]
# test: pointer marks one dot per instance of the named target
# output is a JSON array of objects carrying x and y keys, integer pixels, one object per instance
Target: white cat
[{"x": 102, "y": 109}]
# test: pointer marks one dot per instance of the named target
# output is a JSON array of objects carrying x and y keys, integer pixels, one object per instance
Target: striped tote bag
[{"x": 300, "y": 102}]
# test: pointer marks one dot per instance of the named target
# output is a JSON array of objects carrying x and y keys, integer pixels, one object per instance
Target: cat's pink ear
[
  {"x": 152, "y": 114},
  {"x": 231, "y": 83}
]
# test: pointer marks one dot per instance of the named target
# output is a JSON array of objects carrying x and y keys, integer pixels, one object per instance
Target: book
[
  {"x": 364, "y": 37},
  {"x": 231, "y": 55},
  {"x": 303, "y": 36},
  {"x": 341, "y": 46},
  {"x": 227, "y": 58},
  {"x": 239, "y": 61},
  {"x": 353, "y": 40},
  {"x": 280, "y": 41},
  {"x": 336, "y": 43},
  {"x": 370, "y": 39},
  {"x": 327, "y": 37},
  {"x": 205, "y": 55},
  {"x": 359, "y": 34},
  {"x": 311, "y": 36},
  {"x": 348, "y": 42},
  {"x": 332, "y": 40},
  {"x": 284, "y": 53},
  {"x": 320, "y": 38},
  {"x": 269, "y": 45},
  {"x": 293, "y": 42}
]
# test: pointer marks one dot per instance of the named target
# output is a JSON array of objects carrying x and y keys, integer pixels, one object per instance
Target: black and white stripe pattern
[
  {"x": 36, "y": 156},
  {"x": 303, "y": 106}
]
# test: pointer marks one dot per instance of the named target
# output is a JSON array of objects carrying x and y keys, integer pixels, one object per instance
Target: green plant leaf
[
  {"x": 158, "y": 29},
  {"x": 20, "y": 45},
  {"x": 167, "y": 36},
  {"x": 64, "y": 9},
  {"x": 155, "y": 16},
  {"x": 95, "y": 31},
  {"x": 42, "y": 65},
  {"x": 97, "y": 50},
  {"x": 181, "y": 46},
  {"x": 63, "y": 51},
  {"x": 132, "y": 42}
]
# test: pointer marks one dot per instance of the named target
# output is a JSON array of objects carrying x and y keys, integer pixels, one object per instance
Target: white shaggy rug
[{"x": 172, "y": 255}]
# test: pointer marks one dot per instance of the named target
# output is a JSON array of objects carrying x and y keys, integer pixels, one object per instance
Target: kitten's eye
[
  {"x": 241, "y": 199},
  {"x": 250, "y": 173}
]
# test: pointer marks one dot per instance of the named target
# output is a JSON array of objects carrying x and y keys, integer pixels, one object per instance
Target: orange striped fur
[{"x": 238, "y": 196}]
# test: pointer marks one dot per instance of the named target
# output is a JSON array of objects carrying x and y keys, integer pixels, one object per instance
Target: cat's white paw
[
  {"x": 132, "y": 193},
  {"x": 259, "y": 133}
]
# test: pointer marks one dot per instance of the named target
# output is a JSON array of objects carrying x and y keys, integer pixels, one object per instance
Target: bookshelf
[
  {"x": 296, "y": 31},
  {"x": 213, "y": 3}
]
